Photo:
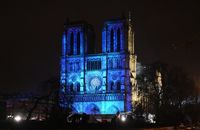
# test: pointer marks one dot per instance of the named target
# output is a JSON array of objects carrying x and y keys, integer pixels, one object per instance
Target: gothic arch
[
  {"x": 74, "y": 110},
  {"x": 118, "y": 40},
  {"x": 118, "y": 84},
  {"x": 113, "y": 109},
  {"x": 71, "y": 43},
  {"x": 111, "y": 86},
  {"x": 71, "y": 86},
  {"x": 78, "y": 43},
  {"x": 78, "y": 87},
  {"x": 111, "y": 40},
  {"x": 92, "y": 109}
]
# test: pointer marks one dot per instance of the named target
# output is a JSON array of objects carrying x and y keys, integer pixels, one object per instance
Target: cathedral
[{"x": 98, "y": 83}]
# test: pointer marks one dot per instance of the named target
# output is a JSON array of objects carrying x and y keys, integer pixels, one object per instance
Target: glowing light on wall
[
  {"x": 100, "y": 107},
  {"x": 95, "y": 73},
  {"x": 18, "y": 118}
]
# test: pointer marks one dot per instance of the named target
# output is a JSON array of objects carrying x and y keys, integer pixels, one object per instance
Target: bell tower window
[
  {"x": 78, "y": 43},
  {"x": 71, "y": 87},
  {"x": 78, "y": 87},
  {"x": 118, "y": 87},
  {"x": 111, "y": 86},
  {"x": 111, "y": 40},
  {"x": 118, "y": 40},
  {"x": 71, "y": 44}
]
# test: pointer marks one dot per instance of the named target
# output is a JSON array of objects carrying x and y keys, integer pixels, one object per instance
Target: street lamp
[
  {"x": 17, "y": 118},
  {"x": 123, "y": 118}
]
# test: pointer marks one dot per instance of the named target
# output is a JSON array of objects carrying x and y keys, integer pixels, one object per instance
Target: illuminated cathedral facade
[{"x": 98, "y": 83}]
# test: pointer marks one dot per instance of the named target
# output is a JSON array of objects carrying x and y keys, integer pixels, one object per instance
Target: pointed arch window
[
  {"x": 111, "y": 40},
  {"x": 118, "y": 86},
  {"x": 72, "y": 43},
  {"x": 78, "y": 43},
  {"x": 111, "y": 86},
  {"x": 78, "y": 87},
  {"x": 118, "y": 40},
  {"x": 71, "y": 87}
]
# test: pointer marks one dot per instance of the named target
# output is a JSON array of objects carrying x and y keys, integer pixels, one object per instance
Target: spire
[
  {"x": 130, "y": 34},
  {"x": 129, "y": 17}
]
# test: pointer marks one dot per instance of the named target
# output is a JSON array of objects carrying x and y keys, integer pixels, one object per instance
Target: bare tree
[
  {"x": 49, "y": 95},
  {"x": 165, "y": 101}
]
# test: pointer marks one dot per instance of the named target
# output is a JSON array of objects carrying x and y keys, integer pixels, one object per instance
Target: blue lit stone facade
[{"x": 100, "y": 83}]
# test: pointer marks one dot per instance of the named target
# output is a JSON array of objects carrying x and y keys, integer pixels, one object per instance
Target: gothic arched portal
[
  {"x": 92, "y": 109},
  {"x": 113, "y": 109}
]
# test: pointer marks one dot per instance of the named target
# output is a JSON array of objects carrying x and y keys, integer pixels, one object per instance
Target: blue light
[
  {"x": 64, "y": 44},
  {"x": 102, "y": 107},
  {"x": 96, "y": 82}
]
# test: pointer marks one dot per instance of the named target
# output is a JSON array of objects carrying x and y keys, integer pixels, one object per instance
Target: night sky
[{"x": 165, "y": 30}]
